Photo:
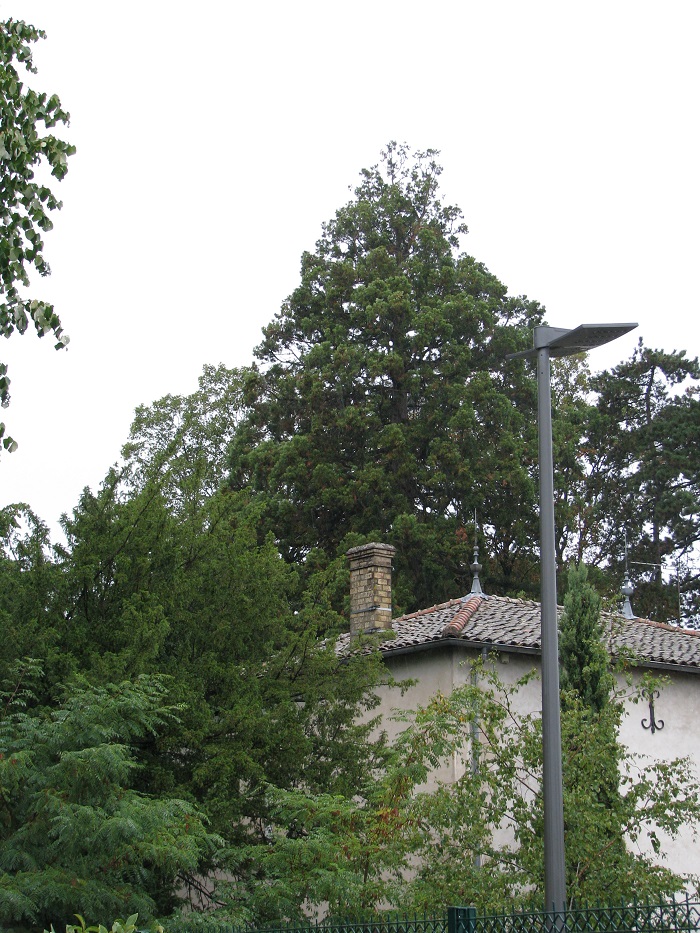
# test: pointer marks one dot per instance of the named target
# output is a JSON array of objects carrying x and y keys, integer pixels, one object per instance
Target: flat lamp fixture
[{"x": 563, "y": 342}]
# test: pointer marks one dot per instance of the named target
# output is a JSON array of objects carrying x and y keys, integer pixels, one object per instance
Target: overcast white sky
[{"x": 215, "y": 138}]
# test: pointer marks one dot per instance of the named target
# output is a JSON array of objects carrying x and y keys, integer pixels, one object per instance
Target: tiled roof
[{"x": 515, "y": 623}]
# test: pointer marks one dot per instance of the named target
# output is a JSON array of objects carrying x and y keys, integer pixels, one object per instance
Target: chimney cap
[{"x": 373, "y": 546}]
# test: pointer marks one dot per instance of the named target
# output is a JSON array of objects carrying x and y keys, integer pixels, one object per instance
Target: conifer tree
[
  {"x": 583, "y": 659},
  {"x": 162, "y": 574},
  {"x": 75, "y": 835},
  {"x": 642, "y": 483},
  {"x": 383, "y": 405},
  {"x": 590, "y": 730}
]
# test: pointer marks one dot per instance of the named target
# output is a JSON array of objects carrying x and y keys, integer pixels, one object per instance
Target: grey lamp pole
[{"x": 549, "y": 342}]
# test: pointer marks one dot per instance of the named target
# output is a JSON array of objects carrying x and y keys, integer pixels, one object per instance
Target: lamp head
[{"x": 564, "y": 342}]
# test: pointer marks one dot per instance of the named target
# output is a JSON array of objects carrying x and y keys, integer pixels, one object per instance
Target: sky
[{"x": 214, "y": 138}]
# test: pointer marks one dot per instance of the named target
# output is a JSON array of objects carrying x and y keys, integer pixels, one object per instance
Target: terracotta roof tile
[{"x": 504, "y": 622}]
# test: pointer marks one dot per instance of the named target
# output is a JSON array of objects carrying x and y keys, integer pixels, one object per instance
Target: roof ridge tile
[
  {"x": 457, "y": 624},
  {"x": 423, "y": 612},
  {"x": 666, "y": 626}
]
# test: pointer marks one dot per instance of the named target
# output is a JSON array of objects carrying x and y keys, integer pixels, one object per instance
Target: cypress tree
[
  {"x": 591, "y": 715},
  {"x": 583, "y": 658}
]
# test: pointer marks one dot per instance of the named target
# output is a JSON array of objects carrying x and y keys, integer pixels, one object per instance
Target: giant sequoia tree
[{"x": 382, "y": 404}]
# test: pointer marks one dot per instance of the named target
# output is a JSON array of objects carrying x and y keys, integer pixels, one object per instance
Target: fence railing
[
  {"x": 382, "y": 923},
  {"x": 671, "y": 917},
  {"x": 681, "y": 916}
]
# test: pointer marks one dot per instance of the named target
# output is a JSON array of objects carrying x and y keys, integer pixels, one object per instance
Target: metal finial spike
[
  {"x": 627, "y": 590},
  {"x": 475, "y": 567}
]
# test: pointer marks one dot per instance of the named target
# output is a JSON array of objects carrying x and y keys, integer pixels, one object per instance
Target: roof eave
[
  {"x": 461, "y": 643},
  {"x": 469, "y": 645}
]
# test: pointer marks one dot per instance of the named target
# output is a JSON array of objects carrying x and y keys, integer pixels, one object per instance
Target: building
[{"x": 434, "y": 648}]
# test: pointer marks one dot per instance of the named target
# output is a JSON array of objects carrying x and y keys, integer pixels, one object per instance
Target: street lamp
[{"x": 551, "y": 342}]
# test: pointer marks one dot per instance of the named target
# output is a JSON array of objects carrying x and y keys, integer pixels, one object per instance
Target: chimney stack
[{"x": 370, "y": 587}]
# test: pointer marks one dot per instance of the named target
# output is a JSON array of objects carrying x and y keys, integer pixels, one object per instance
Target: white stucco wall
[
  {"x": 678, "y": 706},
  {"x": 440, "y": 669}
]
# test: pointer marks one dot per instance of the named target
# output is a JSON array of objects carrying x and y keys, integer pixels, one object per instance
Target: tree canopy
[
  {"x": 75, "y": 833},
  {"x": 381, "y": 405},
  {"x": 643, "y": 483},
  {"x": 584, "y": 661},
  {"x": 25, "y": 202},
  {"x": 162, "y": 580},
  {"x": 199, "y": 589}
]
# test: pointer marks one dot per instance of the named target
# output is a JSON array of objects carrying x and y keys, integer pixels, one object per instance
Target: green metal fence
[
  {"x": 383, "y": 923},
  {"x": 671, "y": 917},
  {"x": 681, "y": 916}
]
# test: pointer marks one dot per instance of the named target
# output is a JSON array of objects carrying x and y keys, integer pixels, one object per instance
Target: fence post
[{"x": 461, "y": 920}]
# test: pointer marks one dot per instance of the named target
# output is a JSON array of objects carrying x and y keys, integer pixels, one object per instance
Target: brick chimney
[{"x": 370, "y": 587}]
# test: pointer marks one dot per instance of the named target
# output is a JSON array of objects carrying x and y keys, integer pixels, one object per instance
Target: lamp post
[{"x": 552, "y": 342}]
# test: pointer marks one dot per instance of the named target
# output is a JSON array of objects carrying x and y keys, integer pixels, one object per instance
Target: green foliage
[
  {"x": 595, "y": 812},
  {"x": 112, "y": 594},
  {"x": 25, "y": 203},
  {"x": 571, "y": 413},
  {"x": 119, "y": 926},
  {"x": 28, "y": 576},
  {"x": 643, "y": 482},
  {"x": 399, "y": 842},
  {"x": 74, "y": 831},
  {"x": 164, "y": 573},
  {"x": 382, "y": 407},
  {"x": 182, "y": 441}
]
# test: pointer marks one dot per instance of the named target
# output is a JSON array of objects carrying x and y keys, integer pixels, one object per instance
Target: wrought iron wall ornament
[{"x": 656, "y": 725}]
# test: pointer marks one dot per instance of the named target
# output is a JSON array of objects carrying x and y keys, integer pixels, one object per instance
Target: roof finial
[
  {"x": 627, "y": 589},
  {"x": 475, "y": 567}
]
